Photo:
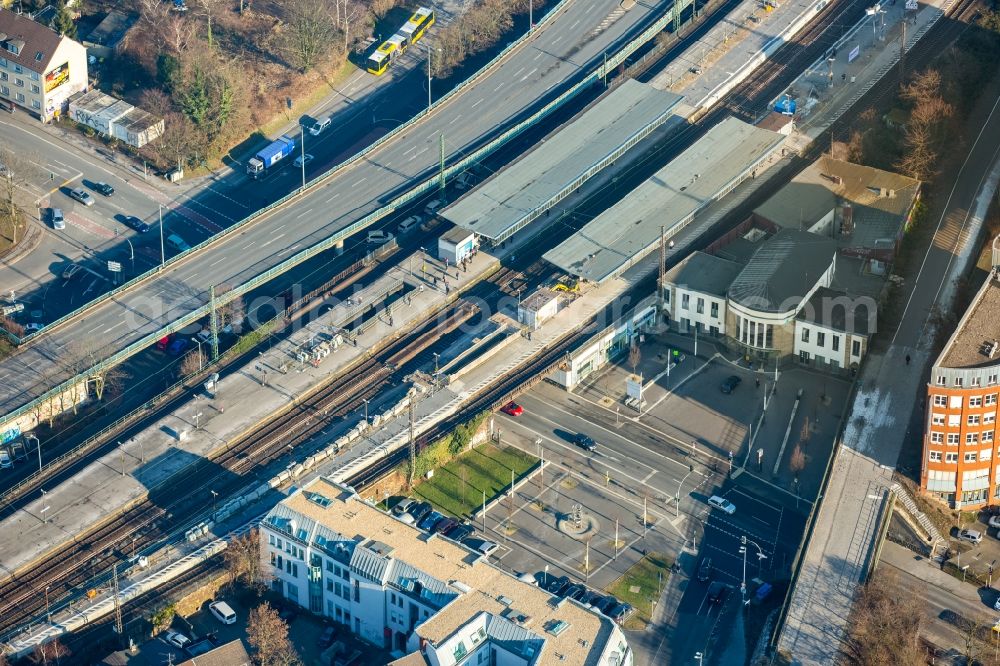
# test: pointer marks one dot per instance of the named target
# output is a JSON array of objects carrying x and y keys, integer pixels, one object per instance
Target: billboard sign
[
  {"x": 10, "y": 434},
  {"x": 855, "y": 52},
  {"x": 57, "y": 77}
]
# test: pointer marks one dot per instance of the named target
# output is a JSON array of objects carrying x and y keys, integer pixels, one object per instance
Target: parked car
[
  {"x": 995, "y": 522},
  {"x": 705, "y": 569},
  {"x": 605, "y": 604},
  {"x": 326, "y": 639},
  {"x": 33, "y": 327},
  {"x": 557, "y": 585},
  {"x": 444, "y": 525},
  {"x": 585, "y": 442},
  {"x": 620, "y": 612},
  {"x": 57, "y": 218},
  {"x": 482, "y": 546},
  {"x": 730, "y": 384},
  {"x": 408, "y": 225},
  {"x": 574, "y": 591},
  {"x": 223, "y": 612},
  {"x": 419, "y": 510},
  {"x": 6, "y": 462},
  {"x": 177, "y": 639},
  {"x": 972, "y": 536},
  {"x": 104, "y": 189},
  {"x": 318, "y": 126},
  {"x": 464, "y": 180},
  {"x": 70, "y": 271},
  {"x": 177, "y": 243},
  {"x": 81, "y": 195},
  {"x": 302, "y": 159},
  {"x": 164, "y": 342},
  {"x": 378, "y": 237},
  {"x": 402, "y": 506},
  {"x": 512, "y": 409},
  {"x": 717, "y": 593},
  {"x": 133, "y": 222},
  {"x": 428, "y": 522},
  {"x": 177, "y": 346},
  {"x": 433, "y": 207},
  {"x": 722, "y": 503},
  {"x": 589, "y": 597},
  {"x": 459, "y": 532},
  {"x": 528, "y": 578}
]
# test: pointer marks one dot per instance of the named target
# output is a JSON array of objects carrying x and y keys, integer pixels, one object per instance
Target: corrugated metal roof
[
  {"x": 783, "y": 271},
  {"x": 704, "y": 273},
  {"x": 369, "y": 564},
  {"x": 501, "y": 205},
  {"x": 435, "y": 592},
  {"x": 630, "y": 230}
]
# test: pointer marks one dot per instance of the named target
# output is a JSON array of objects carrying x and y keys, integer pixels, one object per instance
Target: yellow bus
[
  {"x": 418, "y": 24},
  {"x": 390, "y": 49}
]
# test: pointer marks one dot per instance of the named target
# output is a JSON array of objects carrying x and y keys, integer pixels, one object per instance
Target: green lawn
[
  {"x": 483, "y": 468},
  {"x": 644, "y": 575}
]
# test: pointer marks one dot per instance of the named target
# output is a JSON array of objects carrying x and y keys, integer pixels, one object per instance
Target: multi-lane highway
[{"x": 558, "y": 53}]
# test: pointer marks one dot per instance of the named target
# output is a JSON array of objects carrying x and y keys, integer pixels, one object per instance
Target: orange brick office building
[{"x": 961, "y": 457}]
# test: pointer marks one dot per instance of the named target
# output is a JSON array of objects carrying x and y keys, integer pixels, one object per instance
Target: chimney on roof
[{"x": 833, "y": 178}]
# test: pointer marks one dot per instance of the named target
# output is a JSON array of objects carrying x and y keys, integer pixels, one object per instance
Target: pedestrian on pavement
[
  {"x": 907, "y": 359},
  {"x": 757, "y": 380}
]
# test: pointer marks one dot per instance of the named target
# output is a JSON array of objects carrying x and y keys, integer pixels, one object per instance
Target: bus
[{"x": 409, "y": 34}]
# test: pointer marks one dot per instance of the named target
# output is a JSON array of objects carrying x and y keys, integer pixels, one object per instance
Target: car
[
  {"x": 302, "y": 160},
  {"x": 164, "y": 342},
  {"x": 557, "y": 585},
  {"x": 527, "y": 578},
  {"x": 223, "y": 612},
  {"x": 464, "y": 180},
  {"x": 326, "y": 639},
  {"x": 482, "y": 546},
  {"x": 574, "y": 591},
  {"x": 459, "y": 532},
  {"x": 444, "y": 525},
  {"x": 70, "y": 271},
  {"x": 433, "y": 207},
  {"x": 722, "y": 503},
  {"x": 717, "y": 593},
  {"x": 995, "y": 522},
  {"x": 585, "y": 442},
  {"x": 6, "y": 462},
  {"x": 705, "y": 569},
  {"x": 176, "y": 347},
  {"x": 33, "y": 327},
  {"x": 204, "y": 335},
  {"x": 133, "y": 222},
  {"x": 972, "y": 536},
  {"x": 588, "y": 598},
  {"x": 177, "y": 639},
  {"x": 378, "y": 237},
  {"x": 430, "y": 520},
  {"x": 512, "y": 409},
  {"x": 619, "y": 612},
  {"x": 408, "y": 224},
  {"x": 605, "y": 604},
  {"x": 730, "y": 384},
  {"x": 408, "y": 519},
  {"x": 319, "y": 125},
  {"x": 81, "y": 195},
  {"x": 402, "y": 505},
  {"x": 419, "y": 510},
  {"x": 178, "y": 243},
  {"x": 57, "y": 218},
  {"x": 103, "y": 188}
]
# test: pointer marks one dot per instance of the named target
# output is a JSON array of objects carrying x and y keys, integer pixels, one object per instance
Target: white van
[
  {"x": 409, "y": 224},
  {"x": 177, "y": 243},
  {"x": 378, "y": 237},
  {"x": 223, "y": 612},
  {"x": 433, "y": 207},
  {"x": 318, "y": 126}
]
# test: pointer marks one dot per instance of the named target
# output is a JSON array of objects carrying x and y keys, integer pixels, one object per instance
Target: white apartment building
[
  {"x": 423, "y": 597},
  {"x": 694, "y": 294},
  {"x": 39, "y": 68}
]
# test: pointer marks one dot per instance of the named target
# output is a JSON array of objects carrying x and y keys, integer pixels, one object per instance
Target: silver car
[{"x": 82, "y": 195}]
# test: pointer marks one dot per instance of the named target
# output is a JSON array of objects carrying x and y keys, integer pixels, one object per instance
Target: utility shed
[
  {"x": 537, "y": 308},
  {"x": 522, "y": 192},
  {"x": 456, "y": 245},
  {"x": 630, "y": 230},
  {"x": 115, "y": 117}
]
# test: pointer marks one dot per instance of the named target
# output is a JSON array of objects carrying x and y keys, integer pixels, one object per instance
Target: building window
[
  {"x": 958, "y": 382},
  {"x": 976, "y": 401},
  {"x": 357, "y": 591},
  {"x": 984, "y": 454},
  {"x": 33, "y": 75},
  {"x": 19, "y": 82},
  {"x": 970, "y": 457},
  {"x": 715, "y": 310},
  {"x": 3, "y": 76},
  {"x": 685, "y": 301},
  {"x": 35, "y": 89},
  {"x": 805, "y": 334},
  {"x": 835, "y": 342},
  {"x": 941, "y": 380},
  {"x": 940, "y": 401},
  {"x": 820, "y": 338},
  {"x": 988, "y": 436},
  {"x": 953, "y": 438},
  {"x": 991, "y": 399},
  {"x": 934, "y": 456},
  {"x": 17, "y": 69},
  {"x": 954, "y": 419},
  {"x": 937, "y": 437},
  {"x": 973, "y": 419},
  {"x": 991, "y": 380},
  {"x": 700, "y": 308},
  {"x": 971, "y": 437},
  {"x": 975, "y": 382},
  {"x": 19, "y": 97},
  {"x": 951, "y": 457},
  {"x": 937, "y": 419},
  {"x": 855, "y": 347}
]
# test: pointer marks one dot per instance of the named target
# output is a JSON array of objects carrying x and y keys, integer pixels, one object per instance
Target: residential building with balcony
[
  {"x": 39, "y": 68},
  {"x": 961, "y": 454},
  {"x": 423, "y": 597}
]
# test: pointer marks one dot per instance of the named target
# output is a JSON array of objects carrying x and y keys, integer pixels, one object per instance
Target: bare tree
[
  {"x": 379, "y": 8},
  {"x": 884, "y": 625},
  {"x": 242, "y": 558},
  {"x": 16, "y": 169},
  {"x": 926, "y": 127},
  {"x": 797, "y": 462},
  {"x": 268, "y": 634},
  {"x": 192, "y": 362},
  {"x": 805, "y": 434},
  {"x": 635, "y": 356},
  {"x": 233, "y": 312},
  {"x": 175, "y": 145},
  {"x": 51, "y": 652},
  {"x": 209, "y": 9},
  {"x": 310, "y": 32}
]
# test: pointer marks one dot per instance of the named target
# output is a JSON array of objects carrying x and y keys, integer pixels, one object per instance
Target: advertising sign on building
[
  {"x": 57, "y": 77},
  {"x": 855, "y": 52},
  {"x": 10, "y": 434}
]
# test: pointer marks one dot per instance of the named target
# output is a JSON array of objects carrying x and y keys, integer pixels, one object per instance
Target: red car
[{"x": 512, "y": 409}]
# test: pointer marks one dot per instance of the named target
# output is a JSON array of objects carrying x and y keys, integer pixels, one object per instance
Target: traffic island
[{"x": 641, "y": 586}]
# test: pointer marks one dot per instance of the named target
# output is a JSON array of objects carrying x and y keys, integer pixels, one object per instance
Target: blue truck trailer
[{"x": 270, "y": 155}]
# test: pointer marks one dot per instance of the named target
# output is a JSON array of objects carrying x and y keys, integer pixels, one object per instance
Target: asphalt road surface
[{"x": 558, "y": 53}]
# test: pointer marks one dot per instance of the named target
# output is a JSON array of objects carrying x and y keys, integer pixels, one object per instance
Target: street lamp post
[
  {"x": 760, "y": 558},
  {"x": 677, "y": 496},
  {"x": 699, "y": 656},
  {"x": 163, "y": 252},
  {"x": 48, "y": 611},
  {"x": 215, "y": 502},
  {"x": 365, "y": 400},
  {"x": 38, "y": 445},
  {"x": 303, "y": 133},
  {"x": 131, "y": 254}
]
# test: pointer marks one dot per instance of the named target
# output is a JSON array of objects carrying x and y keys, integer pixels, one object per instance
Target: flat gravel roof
[
  {"x": 515, "y": 196},
  {"x": 628, "y": 231}
]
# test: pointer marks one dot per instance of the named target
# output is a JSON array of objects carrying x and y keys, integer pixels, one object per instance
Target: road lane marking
[
  {"x": 498, "y": 87},
  {"x": 272, "y": 240},
  {"x": 478, "y": 102},
  {"x": 217, "y": 261},
  {"x": 359, "y": 182},
  {"x": 453, "y": 120},
  {"x": 333, "y": 197}
]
